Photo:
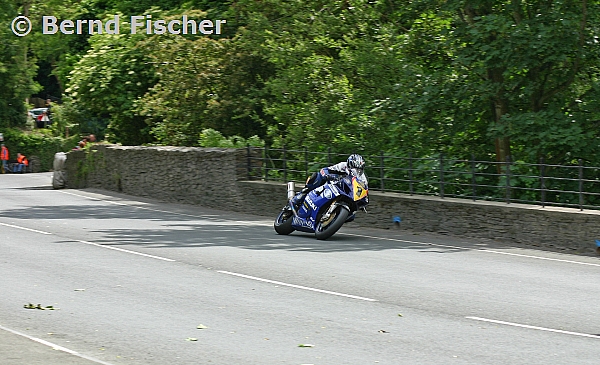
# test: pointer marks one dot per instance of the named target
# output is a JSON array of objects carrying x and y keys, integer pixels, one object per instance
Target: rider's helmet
[{"x": 356, "y": 164}]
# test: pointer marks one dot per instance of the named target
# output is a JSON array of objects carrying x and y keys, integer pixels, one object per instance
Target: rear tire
[
  {"x": 283, "y": 222},
  {"x": 325, "y": 230}
]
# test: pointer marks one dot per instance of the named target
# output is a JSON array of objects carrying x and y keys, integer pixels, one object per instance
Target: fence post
[
  {"x": 580, "y": 184},
  {"x": 473, "y": 179},
  {"x": 284, "y": 162},
  {"x": 265, "y": 159},
  {"x": 542, "y": 181},
  {"x": 382, "y": 172},
  {"x": 248, "y": 161},
  {"x": 410, "y": 174},
  {"x": 507, "y": 180},
  {"x": 441, "y": 175}
]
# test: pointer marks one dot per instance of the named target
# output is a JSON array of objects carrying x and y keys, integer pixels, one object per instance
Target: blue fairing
[{"x": 307, "y": 214}]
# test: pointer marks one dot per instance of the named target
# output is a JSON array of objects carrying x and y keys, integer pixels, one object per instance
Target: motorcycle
[{"x": 325, "y": 209}]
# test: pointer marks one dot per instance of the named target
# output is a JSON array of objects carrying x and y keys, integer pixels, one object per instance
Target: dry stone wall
[{"x": 217, "y": 178}]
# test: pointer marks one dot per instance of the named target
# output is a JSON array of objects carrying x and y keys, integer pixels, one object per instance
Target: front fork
[
  {"x": 332, "y": 207},
  {"x": 291, "y": 192}
]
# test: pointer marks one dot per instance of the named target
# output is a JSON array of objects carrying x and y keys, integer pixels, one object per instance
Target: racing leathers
[{"x": 320, "y": 178}]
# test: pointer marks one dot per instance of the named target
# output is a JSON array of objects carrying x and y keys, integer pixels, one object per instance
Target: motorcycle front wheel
[
  {"x": 283, "y": 222},
  {"x": 326, "y": 229}
]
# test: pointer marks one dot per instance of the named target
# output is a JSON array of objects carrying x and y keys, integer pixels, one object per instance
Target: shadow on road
[
  {"x": 265, "y": 238},
  {"x": 93, "y": 212},
  {"x": 208, "y": 230}
]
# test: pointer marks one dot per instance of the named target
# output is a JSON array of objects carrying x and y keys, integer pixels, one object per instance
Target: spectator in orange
[
  {"x": 22, "y": 163},
  {"x": 4, "y": 158}
]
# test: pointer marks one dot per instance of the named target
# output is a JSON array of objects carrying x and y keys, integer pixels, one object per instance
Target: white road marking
[
  {"x": 24, "y": 228},
  {"x": 55, "y": 346},
  {"x": 297, "y": 286},
  {"x": 533, "y": 327},
  {"x": 474, "y": 249},
  {"x": 127, "y": 251},
  {"x": 91, "y": 243}
]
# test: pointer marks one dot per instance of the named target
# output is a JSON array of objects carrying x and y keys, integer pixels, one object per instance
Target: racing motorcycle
[{"x": 326, "y": 208}]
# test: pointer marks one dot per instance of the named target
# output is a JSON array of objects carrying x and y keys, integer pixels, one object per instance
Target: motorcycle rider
[{"x": 354, "y": 165}]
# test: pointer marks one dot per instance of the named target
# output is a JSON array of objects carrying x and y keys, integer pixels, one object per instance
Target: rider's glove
[{"x": 331, "y": 177}]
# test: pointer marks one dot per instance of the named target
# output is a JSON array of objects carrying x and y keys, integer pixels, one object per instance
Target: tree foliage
[{"x": 499, "y": 78}]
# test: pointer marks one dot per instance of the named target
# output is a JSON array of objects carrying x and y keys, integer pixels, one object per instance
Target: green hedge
[{"x": 37, "y": 143}]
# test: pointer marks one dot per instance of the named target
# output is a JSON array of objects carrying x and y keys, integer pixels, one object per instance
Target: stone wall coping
[{"x": 168, "y": 148}]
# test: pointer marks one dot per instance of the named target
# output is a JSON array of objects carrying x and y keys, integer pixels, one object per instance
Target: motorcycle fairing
[
  {"x": 307, "y": 214},
  {"x": 360, "y": 191}
]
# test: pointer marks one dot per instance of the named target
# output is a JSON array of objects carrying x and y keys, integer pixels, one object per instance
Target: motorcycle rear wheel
[
  {"x": 283, "y": 222},
  {"x": 324, "y": 230}
]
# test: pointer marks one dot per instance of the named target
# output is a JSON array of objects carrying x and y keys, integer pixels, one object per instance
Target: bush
[
  {"x": 213, "y": 138},
  {"x": 38, "y": 143}
]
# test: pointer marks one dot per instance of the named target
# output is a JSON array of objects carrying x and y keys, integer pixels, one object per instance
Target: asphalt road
[{"x": 136, "y": 281}]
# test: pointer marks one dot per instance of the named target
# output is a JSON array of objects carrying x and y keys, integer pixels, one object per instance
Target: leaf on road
[
  {"x": 39, "y": 307},
  {"x": 191, "y": 339},
  {"x": 382, "y": 331},
  {"x": 79, "y": 289},
  {"x": 306, "y": 345},
  {"x": 399, "y": 314},
  {"x": 201, "y": 327}
]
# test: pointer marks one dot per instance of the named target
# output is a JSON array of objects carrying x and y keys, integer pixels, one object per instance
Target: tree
[
  {"x": 109, "y": 79},
  {"x": 17, "y": 69},
  {"x": 527, "y": 62},
  {"x": 331, "y": 63}
]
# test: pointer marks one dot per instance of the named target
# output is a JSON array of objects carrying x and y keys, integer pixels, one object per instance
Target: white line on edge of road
[
  {"x": 297, "y": 286},
  {"x": 55, "y": 346},
  {"x": 533, "y": 327},
  {"x": 127, "y": 251},
  {"x": 23, "y": 228},
  {"x": 473, "y": 249}
]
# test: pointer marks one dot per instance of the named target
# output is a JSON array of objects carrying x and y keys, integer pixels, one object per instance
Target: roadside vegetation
[{"x": 489, "y": 79}]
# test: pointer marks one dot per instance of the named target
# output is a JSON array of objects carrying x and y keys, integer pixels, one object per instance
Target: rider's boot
[{"x": 299, "y": 198}]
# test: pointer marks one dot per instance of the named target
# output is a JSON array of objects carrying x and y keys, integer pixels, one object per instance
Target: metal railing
[{"x": 539, "y": 183}]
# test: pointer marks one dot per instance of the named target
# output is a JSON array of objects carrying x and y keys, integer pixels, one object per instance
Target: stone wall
[
  {"x": 216, "y": 178},
  {"x": 202, "y": 176}
]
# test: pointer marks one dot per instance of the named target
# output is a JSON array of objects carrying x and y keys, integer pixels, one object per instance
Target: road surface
[{"x": 123, "y": 280}]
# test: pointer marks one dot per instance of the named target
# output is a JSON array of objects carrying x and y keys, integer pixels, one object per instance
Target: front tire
[
  {"x": 324, "y": 230},
  {"x": 283, "y": 222}
]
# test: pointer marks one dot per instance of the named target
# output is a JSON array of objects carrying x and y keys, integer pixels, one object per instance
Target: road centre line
[
  {"x": 55, "y": 346},
  {"x": 474, "y": 249},
  {"x": 127, "y": 251},
  {"x": 297, "y": 286},
  {"x": 533, "y": 327},
  {"x": 24, "y": 228},
  {"x": 91, "y": 243}
]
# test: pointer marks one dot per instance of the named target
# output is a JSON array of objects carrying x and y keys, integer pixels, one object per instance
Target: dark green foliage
[{"x": 490, "y": 78}]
